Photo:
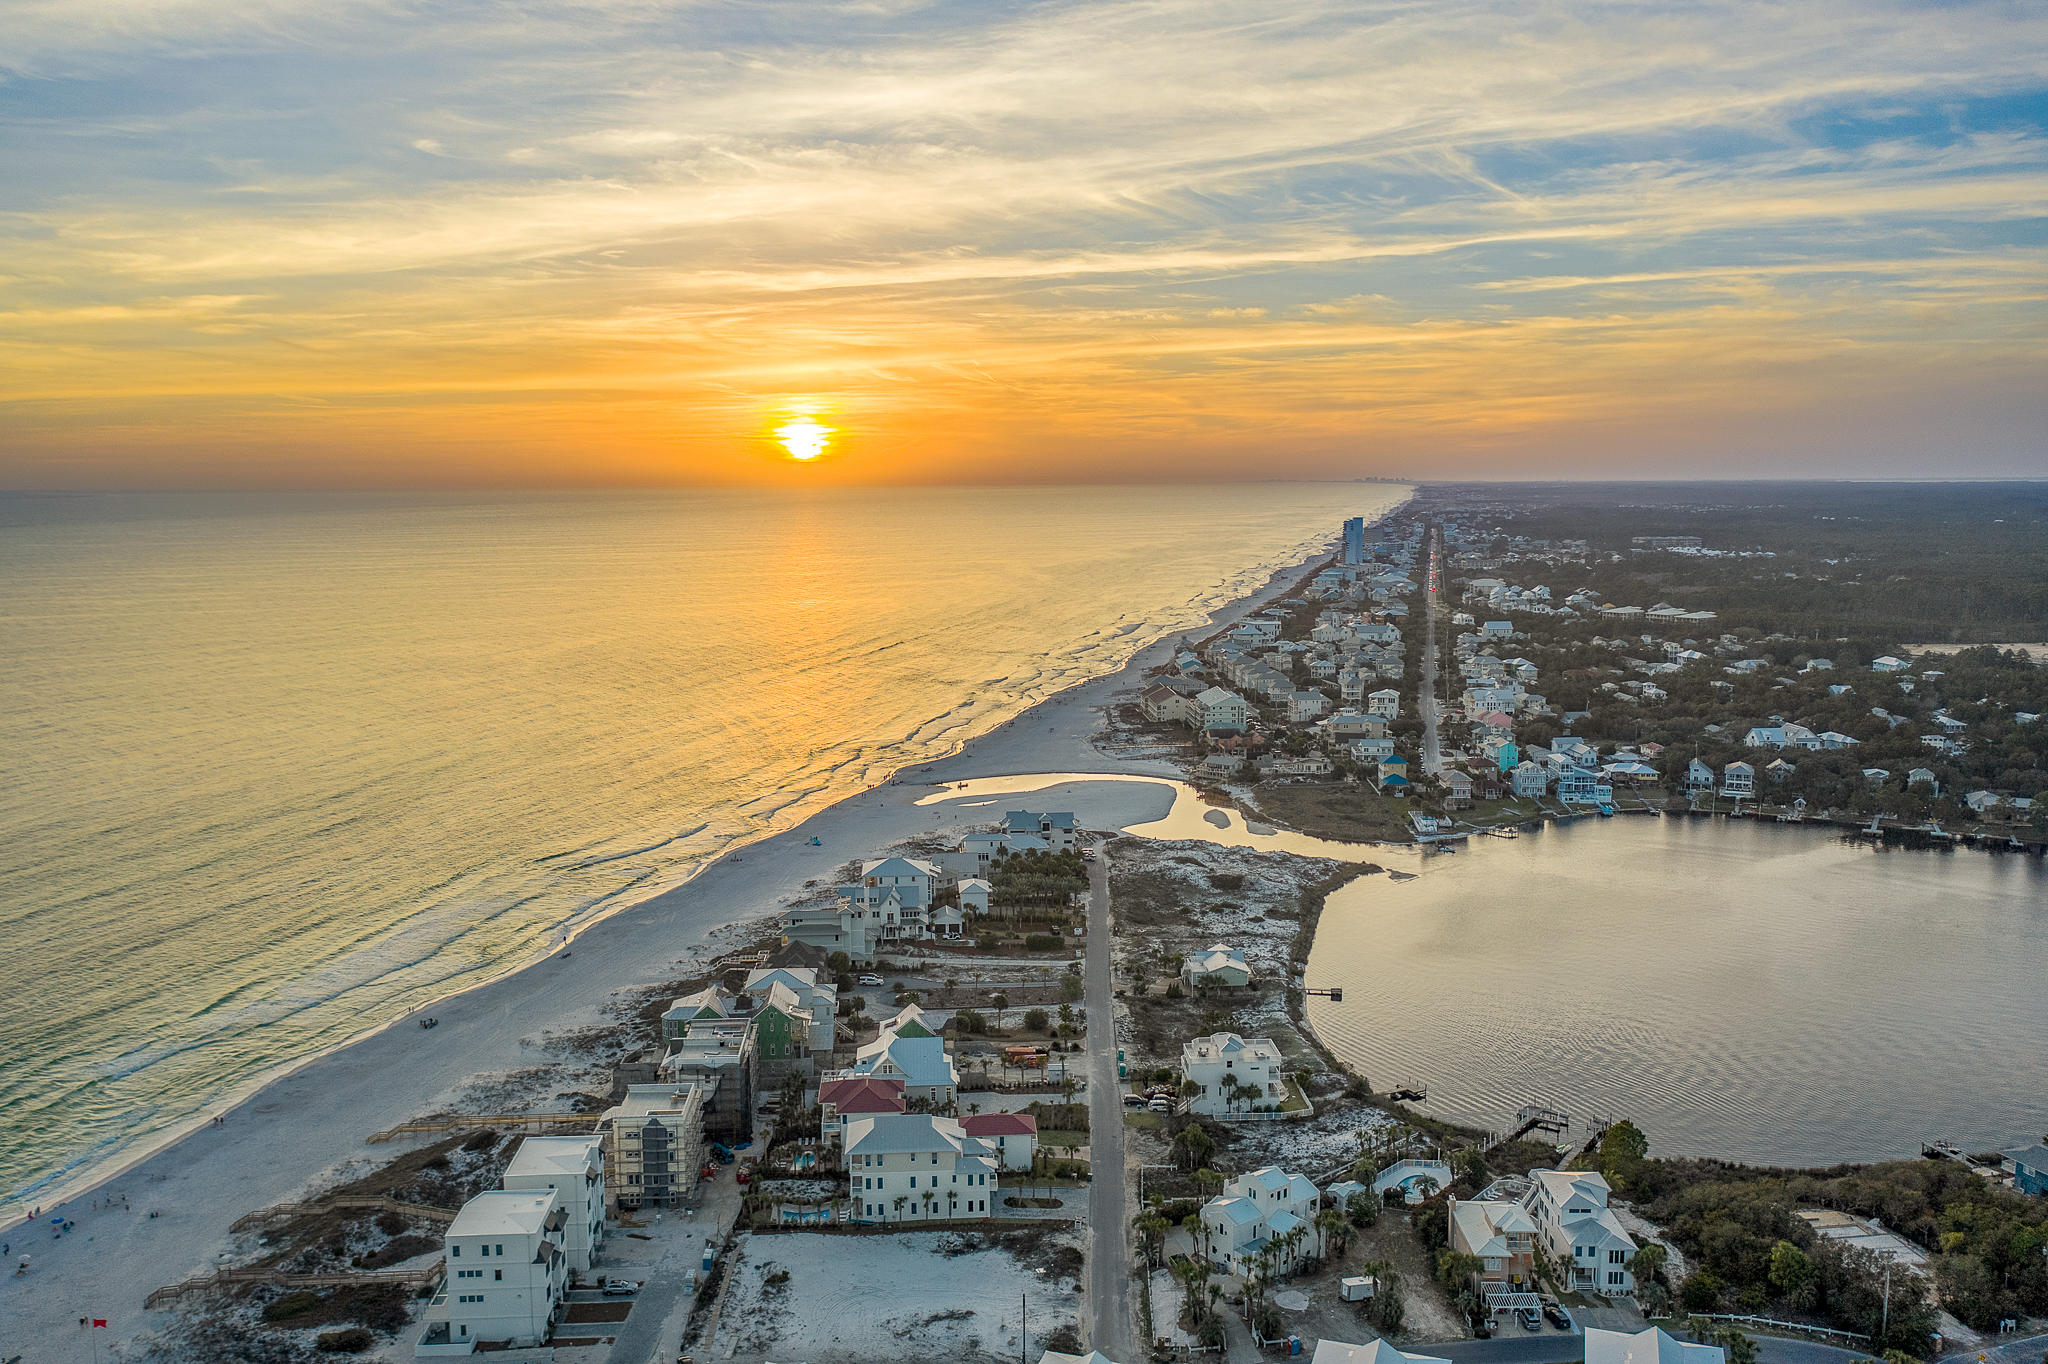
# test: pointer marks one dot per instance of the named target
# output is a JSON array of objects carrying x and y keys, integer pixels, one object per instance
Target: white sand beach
[{"x": 286, "y": 1139}]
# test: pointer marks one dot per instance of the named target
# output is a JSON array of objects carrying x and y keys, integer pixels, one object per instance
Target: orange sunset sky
[{"x": 286, "y": 244}]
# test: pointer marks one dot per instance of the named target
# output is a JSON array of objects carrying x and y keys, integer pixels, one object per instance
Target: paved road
[
  {"x": 1563, "y": 1348},
  {"x": 1109, "y": 1257},
  {"x": 1425, "y": 691}
]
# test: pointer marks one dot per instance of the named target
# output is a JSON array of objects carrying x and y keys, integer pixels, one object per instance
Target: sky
[{"x": 314, "y": 243}]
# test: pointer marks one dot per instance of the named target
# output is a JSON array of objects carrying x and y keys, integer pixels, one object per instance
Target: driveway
[{"x": 1109, "y": 1257}]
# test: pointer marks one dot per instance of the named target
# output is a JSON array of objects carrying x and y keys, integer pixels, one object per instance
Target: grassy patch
[{"x": 1347, "y": 811}]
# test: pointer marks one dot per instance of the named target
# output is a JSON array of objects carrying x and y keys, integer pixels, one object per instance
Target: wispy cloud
[{"x": 1125, "y": 238}]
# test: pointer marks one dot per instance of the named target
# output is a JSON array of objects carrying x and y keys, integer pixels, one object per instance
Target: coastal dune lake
[
  {"x": 1765, "y": 993},
  {"x": 279, "y": 768}
]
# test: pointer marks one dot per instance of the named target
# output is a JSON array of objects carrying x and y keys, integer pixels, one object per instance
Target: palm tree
[
  {"x": 902, "y": 1201},
  {"x": 929, "y": 1199}
]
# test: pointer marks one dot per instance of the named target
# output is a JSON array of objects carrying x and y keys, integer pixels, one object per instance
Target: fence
[{"x": 1776, "y": 1325}]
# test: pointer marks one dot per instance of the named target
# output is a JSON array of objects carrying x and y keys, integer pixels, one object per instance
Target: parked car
[
  {"x": 1134, "y": 1101},
  {"x": 1160, "y": 1106},
  {"x": 1531, "y": 1319},
  {"x": 870, "y": 980},
  {"x": 1557, "y": 1316},
  {"x": 620, "y": 1288}
]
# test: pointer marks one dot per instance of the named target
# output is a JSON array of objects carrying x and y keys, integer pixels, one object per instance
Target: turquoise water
[{"x": 278, "y": 768}]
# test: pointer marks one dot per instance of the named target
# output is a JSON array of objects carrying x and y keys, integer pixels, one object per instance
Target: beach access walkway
[{"x": 1109, "y": 1250}]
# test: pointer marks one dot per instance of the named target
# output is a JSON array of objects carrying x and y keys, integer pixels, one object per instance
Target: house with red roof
[
  {"x": 857, "y": 1096},
  {"x": 1012, "y": 1136}
]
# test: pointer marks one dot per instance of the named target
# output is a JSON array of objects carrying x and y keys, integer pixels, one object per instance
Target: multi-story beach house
[
  {"x": 908, "y": 1050},
  {"x": 1057, "y": 827},
  {"x": 1502, "y": 1235},
  {"x": 1231, "y": 1073},
  {"x": 848, "y": 1097},
  {"x": 717, "y": 1056},
  {"x": 915, "y": 1167},
  {"x": 1267, "y": 1213},
  {"x": 1011, "y": 1137},
  {"x": 506, "y": 1271},
  {"x": 574, "y": 1168},
  {"x": 653, "y": 1144},
  {"x": 1578, "y": 1230}
]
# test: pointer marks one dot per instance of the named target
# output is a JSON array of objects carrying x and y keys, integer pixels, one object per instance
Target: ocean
[{"x": 278, "y": 768}]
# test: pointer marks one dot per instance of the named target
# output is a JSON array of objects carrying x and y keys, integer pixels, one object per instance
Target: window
[
  {"x": 498, "y": 1274},
  {"x": 455, "y": 1252},
  {"x": 1614, "y": 1276},
  {"x": 1614, "y": 1257}
]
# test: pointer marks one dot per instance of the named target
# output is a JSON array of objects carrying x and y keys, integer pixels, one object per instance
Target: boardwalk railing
[
  {"x": 237, "y": 1278},
  {"x": 464, "y": 1122},
  {"x": 376, "y": 1202}
]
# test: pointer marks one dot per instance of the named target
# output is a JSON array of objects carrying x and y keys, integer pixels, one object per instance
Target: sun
[{"x": 805, "y": 438}]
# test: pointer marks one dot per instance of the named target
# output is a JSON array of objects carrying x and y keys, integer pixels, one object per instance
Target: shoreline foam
[{"x": 286, "y": 1130}]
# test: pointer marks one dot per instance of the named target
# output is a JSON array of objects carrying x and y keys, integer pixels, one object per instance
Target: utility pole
[{"x": 1023, "y": 1327}]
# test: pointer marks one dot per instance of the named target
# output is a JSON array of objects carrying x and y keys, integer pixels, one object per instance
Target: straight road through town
[{"x": 1109, "y": 1247}]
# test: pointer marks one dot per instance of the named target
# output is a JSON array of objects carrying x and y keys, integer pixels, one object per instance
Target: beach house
[
  {"x": 1220, "y": 710},
  {"x": 1013, "y": 1137},
  {"x": 1375, "y": 1352},
  {"x": 1057, "y": 827},
  {"x": 915, "y": 1167},
  {"x": 1264, "y": 1215},
  {"x": 1231, "y": 1073},
  {"x": 1651, "y": 1346},
  {"x": 1385, "y": 703},
  {"x": 653, "y": 1144},
  {"x": 1527, "y": 780},
  {"x": 506, "y": 1271},
  {"x": 1216, "y": 965},
  {"x": 907, "y": 1049},
  {"x": 1579, "y": 1232},
  {"x": 717, "y": 1056},
  {"x": 574, "y": 1168},
  {"x": 1738, "y": 780},
  {"x": 855, "y": 1096},
  {"x": 1501, "y": 1235}
]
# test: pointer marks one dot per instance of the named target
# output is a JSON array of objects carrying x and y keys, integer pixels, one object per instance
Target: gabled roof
[
  {"x": 898, "y": 1133},
  {"x": 1000, "y": 1125},
  {"x": 898, "y": 866},
  {"x": 1378, "y": 1352},
  {"x": 1653, "y": 1346},
  {"x": 858, "y": 1094}
]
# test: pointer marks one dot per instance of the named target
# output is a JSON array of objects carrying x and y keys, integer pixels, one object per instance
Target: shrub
[
  {"x": 392, "y": 1223},
  {"x": 1041, "y": 942},
  {"x": 1036, "y": 1020},
  {"x": 482, "y": 1141},
  {"x": 291, "y": 1306},
  {"x": 350, "y": 1341}
]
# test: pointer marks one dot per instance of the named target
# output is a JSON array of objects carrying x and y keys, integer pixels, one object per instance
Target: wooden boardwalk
[{"x": 230, "y": 1279}]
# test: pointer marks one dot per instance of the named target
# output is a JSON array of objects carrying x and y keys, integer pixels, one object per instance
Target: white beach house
[
  {"x": 1268, "y": 1213},
  {"x": 1230, "y": 1072},
  {"x": 914, "y": 1167},
  {"x": 574, "y": 1168},
  {"x": 1571, "y": 1215},
  {"x": 505, "y": 1274}
]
